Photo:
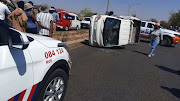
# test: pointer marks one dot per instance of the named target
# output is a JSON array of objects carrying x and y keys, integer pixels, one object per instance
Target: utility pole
[{"x": 107, "y": 7}]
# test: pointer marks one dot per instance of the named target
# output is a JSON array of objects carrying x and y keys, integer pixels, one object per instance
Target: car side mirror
[{"x": 18, "y": 39}]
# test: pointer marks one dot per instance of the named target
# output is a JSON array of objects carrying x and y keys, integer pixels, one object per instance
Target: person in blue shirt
[
  {"x": 171, "y": 28},
  {"x": 31, "y": 26}
]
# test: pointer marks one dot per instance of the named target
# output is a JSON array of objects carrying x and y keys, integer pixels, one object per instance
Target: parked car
[
  {"x": 169, "y": 37},
  {"x": 32, "y": 67},
  {"x": 85, "y": 22},
  {"x": 109, "y": 31},
  {"x": 68, "y": 21}
]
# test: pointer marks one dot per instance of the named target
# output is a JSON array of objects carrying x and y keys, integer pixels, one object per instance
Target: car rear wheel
[
  {"x": 166, "y": 42},
  {"x": 54, "y": 88}
]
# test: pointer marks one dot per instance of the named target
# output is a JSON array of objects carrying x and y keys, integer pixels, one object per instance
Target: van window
[
  {"x": 16, "y": 38},
  {"x": 71, "y": 17},
  {"x": 59, "y": 15},
  {"x": 111, "y": 32},
  {"x": 143, "y": 24},
  {"x": 77, "y": 18},
  {"x": 150, "y": 25}
]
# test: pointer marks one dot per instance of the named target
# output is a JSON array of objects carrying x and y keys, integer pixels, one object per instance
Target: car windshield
[{"x": 87, "y": 19}]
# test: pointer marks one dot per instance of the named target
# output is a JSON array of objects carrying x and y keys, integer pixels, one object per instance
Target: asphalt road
[{"x": 124, "y": 74}]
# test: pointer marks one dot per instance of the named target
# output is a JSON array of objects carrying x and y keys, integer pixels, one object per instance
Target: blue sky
[{"x": 145, "y": 9}]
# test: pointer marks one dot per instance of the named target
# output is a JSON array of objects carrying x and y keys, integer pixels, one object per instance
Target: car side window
[
  {"x": 77, "y": 18},
  {"x": 4, "y": 35},
  {"x": 150, "y": 25},
  {"x": 16, "y": 38},
  {"x": 143, "y": 24}
]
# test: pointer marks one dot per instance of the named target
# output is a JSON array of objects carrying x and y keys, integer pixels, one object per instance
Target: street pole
[{"x": 107, "y": 7}]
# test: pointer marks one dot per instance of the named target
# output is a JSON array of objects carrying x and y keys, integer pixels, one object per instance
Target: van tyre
[
  {"x": 66, "y": 28},
  {"x": 166, "y": 42},
  {"x": 77, "y": 28},
  {"x": 53, "y": 87}
]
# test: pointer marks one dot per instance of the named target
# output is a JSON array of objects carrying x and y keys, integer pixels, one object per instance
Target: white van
[
  {"x": 169, "y": 37},
  {"x": 109, "y": 31}
]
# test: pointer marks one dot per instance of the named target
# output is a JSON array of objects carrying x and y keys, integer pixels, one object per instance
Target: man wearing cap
[
  {"x": 45, "y": 21},
  {"x": 55, "y": 17},
  {"x": 156, "y": 36}
]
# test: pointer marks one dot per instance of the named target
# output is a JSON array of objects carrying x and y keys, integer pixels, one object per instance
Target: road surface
[{"x": 124, "y": 74}]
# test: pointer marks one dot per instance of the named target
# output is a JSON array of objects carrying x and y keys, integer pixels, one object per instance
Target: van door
[
  {"x": 135, "y": 32},
  {"x": 73, "y": 22},
  {"x": 125, "y": 31},
  {"x": 16, "y": 74},
  {"x": 111, "y": 32}
]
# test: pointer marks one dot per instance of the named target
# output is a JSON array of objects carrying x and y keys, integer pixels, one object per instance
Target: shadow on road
[
  {"x": 174, "y": 91},
  {"x": 168, "y": 69},
  {"x": 145, "y": 41},
  {"x": 86, "y": 42},
  {"x": 140, "y": 53}
]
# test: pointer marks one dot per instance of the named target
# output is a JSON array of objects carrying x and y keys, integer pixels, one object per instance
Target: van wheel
[
  {"x": 53, "y": 87},
  {"x": 166, "y": 41},
  {"x": 66, "y": 28},
  {"x": 77, "y": 28}
]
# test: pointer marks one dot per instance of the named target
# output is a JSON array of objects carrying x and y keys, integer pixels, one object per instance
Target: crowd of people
[{"x": 24, "y": 18}]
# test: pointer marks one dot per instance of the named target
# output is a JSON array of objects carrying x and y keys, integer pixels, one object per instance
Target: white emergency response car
[
  {"x": 109, "y": 31},
  {"x": 169, "y": 37},
  {"x": 32, "y": 67}
]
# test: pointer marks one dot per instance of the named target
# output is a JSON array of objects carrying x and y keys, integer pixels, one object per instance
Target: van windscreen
[{"x": 111, "y": 32}]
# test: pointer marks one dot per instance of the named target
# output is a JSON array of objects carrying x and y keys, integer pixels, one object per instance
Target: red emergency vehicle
[{"x": 68, "y": 21}]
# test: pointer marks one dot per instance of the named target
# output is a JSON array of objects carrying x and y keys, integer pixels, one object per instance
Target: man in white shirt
[
  {"x": 45, "y": 21},
  {"x": 3, "y": 11}
]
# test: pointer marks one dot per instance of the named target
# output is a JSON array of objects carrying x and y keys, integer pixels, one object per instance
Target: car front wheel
[
  {"x": 166, "y": 42},
  {"x": 54, "y": 88}
]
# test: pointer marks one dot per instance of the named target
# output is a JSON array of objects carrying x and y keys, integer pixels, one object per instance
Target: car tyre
[
  {"x": 53, "y": 87},
  {"x": 166, "y": 42}
]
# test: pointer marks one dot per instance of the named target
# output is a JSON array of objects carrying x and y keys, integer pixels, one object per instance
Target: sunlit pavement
[{"x": 124, "y": 74}]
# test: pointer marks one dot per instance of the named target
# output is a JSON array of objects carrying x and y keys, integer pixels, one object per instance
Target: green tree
[
  {"x": 174, "y": 19},
  {"x": 154, "y": 20},
  {"x": 164, "y": 24},
  {"x": 87, "y": 12}
]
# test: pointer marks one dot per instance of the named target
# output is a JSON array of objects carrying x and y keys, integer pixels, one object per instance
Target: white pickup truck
[
  {"x": 32, "y": 67},
  {"x": 169, "y": 37}
]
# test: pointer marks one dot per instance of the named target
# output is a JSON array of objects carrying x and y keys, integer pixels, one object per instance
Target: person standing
[
  {"x": 4, "y": 11},
  {"x": 45, "y": 21},
  {"x": 31, "y": 26},
  {"x": 55, "y": 17},
  {"x": 156, "y": 36},
  {"x": 18, "y": 18}
]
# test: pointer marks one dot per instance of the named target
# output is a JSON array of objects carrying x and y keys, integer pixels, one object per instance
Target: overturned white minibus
[{"x": 109, "y": 31}]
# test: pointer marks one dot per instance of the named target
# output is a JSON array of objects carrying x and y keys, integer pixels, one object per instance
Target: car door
[
  {"x": 143, "y": 28},
  {"x": 16, "y": 74},
  {"x": 149, "y": 28}
]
